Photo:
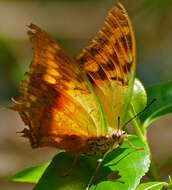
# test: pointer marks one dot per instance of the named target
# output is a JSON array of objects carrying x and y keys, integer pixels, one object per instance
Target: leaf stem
[
  {"x": 170, "y": 180},
  {"x": 153, "y": 172}
]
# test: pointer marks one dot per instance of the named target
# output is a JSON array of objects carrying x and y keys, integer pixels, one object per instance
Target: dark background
[{"x": 73, "y": 23}]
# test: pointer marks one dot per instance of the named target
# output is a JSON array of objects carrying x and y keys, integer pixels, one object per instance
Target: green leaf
[
  {"x": 139, "y": 98},
  {"x": 29, "y": 175},
  {"x": 128, "y": 163},
  {"x": 138, "y": 103},
  {"x": 152, "y": 186},
  {"x": 163, "y": 105}
]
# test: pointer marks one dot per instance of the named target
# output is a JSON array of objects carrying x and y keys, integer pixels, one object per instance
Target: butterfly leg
[
  {"x": 99, "y": 161},
  {"x": 72, "y": 167},
  {"x": 137, "y": 148}
]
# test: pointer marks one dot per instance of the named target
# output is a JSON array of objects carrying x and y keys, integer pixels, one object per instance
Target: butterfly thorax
[{"x": 104, "y": 144}]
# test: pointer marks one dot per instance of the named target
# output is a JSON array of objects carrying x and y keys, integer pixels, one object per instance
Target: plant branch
[{"x": 153, "y": 172}]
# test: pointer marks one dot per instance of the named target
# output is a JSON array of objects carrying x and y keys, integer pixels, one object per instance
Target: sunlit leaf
[
  {"x": 29, "y": 175},
  {"x": 152, "y": 186},
  {"x": 128, "y": 164},
  {"x": 139, "y": 98}
]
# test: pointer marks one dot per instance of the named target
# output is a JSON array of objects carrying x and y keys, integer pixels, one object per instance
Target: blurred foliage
[
  {"x": 158, "y": 6},
  {"x": 11, "y": 72},
  {"x": 7, "y": 61},
  {"x": 63, "y": 1}
]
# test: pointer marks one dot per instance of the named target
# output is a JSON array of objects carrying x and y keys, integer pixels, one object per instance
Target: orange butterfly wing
[
  {"x": 109, "y": 62},
  {"x": 56, "y": 102}
]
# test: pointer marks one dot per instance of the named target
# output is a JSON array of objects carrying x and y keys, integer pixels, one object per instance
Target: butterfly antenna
[
  {"x": 118, "y": 124},
  {"x": 139, "y": 113}
]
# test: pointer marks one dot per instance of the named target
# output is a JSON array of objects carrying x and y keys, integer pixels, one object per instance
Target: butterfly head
[{"x": 119, "y": 136}]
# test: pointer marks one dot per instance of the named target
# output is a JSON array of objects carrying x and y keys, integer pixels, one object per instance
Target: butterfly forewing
[
  {"x": 109, "y": 63},
  {"x": 56, "y": 103}
]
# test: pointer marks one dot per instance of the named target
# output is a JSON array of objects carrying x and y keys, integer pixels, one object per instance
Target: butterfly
[{"x": 74, "y": 104}]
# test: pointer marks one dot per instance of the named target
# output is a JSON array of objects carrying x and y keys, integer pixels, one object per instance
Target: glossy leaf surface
[
  {"x": 125, "y": 166},
  {"x": 29, "y": 175},
  {"x": 151, "y": 186},
  {"x": 139, "y": 98},
  {"x": 160, "y": 108}
]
